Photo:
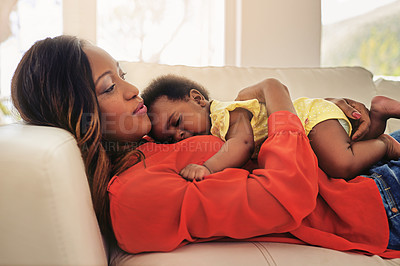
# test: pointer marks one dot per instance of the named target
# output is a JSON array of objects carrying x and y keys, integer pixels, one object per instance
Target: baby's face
[{"x": 173, "y": 121}]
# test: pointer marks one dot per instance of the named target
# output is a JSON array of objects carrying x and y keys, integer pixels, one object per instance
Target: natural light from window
[
  {"x": 29, "y": 21},
  {"x": 189, "y": 32},
  {"x": 361, "y": 33},
  {"x": 338, "y": 10}
]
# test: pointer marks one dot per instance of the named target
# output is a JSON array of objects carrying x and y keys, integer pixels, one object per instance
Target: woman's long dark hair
[{"x": 53, "y": 86}]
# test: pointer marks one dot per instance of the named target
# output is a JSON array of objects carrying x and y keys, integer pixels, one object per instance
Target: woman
[{"x": 68, "y": 83}]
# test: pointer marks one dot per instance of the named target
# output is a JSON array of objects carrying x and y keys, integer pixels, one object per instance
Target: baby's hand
[{"x": 194, "y": 171}]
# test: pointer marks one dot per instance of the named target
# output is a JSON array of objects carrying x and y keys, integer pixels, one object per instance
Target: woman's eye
[
  {"x": 110, "y": 89},
  {"x": 123, "y": 74}
]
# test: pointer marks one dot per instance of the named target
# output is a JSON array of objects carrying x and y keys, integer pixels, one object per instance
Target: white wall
[
  {"x": 273, "y": 33},
  {"x": 82, "y": 20},
  {"x": 266, "y": 33}
]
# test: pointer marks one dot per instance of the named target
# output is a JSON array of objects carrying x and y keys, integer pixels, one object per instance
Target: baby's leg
[
  {"x": 341, "y": 158},
  {"x": 392, "y": 146},
  {"x": 382, "y": 108}
]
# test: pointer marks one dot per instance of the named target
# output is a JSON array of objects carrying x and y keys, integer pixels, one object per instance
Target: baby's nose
[{"x": 182, "y": 134}]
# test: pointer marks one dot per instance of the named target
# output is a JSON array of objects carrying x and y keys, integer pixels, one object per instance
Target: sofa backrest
[
  {"x": 390, "y": 88},
  {"x": 225, "y": 82}
]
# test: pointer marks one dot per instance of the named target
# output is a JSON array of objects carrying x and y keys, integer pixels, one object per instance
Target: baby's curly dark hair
[{"x": 173, "y": 86}]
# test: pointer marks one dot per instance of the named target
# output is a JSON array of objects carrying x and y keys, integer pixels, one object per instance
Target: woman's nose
[{"x": 130, "y": 91}]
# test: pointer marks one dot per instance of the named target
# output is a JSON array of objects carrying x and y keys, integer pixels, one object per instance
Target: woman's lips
[{"x": 141, "y": 109}]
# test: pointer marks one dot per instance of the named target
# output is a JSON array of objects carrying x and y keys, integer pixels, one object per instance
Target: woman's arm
[
  {"x": 272, "y": 92},
  {"x": 268, "y": 92}
]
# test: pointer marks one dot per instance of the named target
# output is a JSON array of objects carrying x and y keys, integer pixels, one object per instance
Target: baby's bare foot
[
  {"x": 393, "y": 147},
  {"x": 383, "y": 108}
]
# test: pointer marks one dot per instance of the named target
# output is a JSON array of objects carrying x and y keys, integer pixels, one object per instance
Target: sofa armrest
[{"x": 47, "y": 216}]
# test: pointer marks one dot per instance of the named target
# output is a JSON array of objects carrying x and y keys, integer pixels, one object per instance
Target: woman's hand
[
  {"x": 357, "y": 112},
  {"x": 272, "y": 93}
]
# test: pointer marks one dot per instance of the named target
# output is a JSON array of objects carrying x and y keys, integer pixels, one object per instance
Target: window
[
  {"x": 189, "y": 32},
  {"x": 27, "y": 22},
  {"x": 22, "y": 22},
  {"x": 362, "y": 32}
]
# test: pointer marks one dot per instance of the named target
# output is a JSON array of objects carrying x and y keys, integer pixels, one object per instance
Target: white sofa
[{"x": 46, "y": 212}]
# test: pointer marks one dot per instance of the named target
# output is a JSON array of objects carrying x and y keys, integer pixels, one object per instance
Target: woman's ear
[{"x": 198, "y": 97}]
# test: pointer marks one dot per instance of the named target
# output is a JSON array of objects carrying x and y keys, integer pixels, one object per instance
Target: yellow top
[
  {"x": 219, "y": 113},
  {"x": 310, "y": 111},
  {"x": 313, "y": 111}
]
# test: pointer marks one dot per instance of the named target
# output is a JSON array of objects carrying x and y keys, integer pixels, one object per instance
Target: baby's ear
[{"x": 198, "y": 97}]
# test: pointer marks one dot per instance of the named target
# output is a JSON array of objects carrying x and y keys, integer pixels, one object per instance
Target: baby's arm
[
  {"x": 235, "y": 152},
  {"x": 240, "y": 141}
]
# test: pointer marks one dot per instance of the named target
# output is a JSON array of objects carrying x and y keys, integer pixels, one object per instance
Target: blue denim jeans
[{"x": 386, "y": 175}]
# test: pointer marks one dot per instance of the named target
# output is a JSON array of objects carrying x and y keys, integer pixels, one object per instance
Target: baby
[{"x": 180, "y": 108}]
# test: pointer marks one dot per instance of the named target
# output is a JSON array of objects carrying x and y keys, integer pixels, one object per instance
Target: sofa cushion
[{"x": 254, "y": 254}]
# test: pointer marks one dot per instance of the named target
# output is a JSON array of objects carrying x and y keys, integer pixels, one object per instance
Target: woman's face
[{"x": 124, "y": 117}]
